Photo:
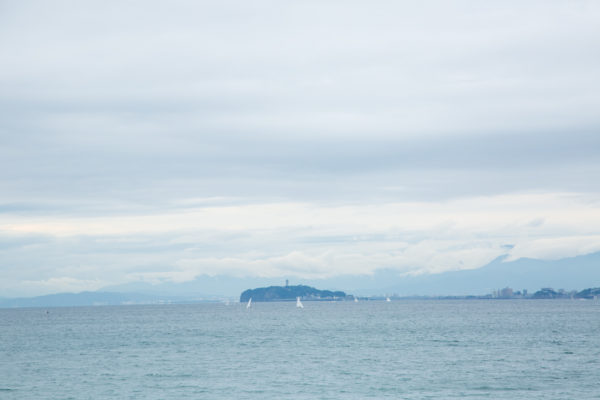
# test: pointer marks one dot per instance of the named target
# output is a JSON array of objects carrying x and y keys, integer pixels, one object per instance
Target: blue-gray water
[{"x": 399, "y": 350}]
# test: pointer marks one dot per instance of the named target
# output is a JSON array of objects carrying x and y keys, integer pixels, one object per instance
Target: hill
[{"x": 283, "y": 293}]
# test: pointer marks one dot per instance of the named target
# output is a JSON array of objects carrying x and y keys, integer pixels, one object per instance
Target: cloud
[
  {"x": 305, "y": 240},
  {"x": 309, "y": 138},
  {"x": 556, "y": 247}
]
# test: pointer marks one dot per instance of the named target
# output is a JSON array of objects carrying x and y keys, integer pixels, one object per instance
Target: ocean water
[{"x": 399, "y": 350}]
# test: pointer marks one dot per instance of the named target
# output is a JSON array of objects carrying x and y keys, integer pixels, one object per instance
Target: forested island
[{"x": 285, "y": 293}]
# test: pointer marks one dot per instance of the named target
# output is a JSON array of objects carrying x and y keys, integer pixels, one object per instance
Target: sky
[{"x": 159, "y": 141}]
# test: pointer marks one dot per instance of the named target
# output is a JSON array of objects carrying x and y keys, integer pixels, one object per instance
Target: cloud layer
[{"x": 146, "y": 141}]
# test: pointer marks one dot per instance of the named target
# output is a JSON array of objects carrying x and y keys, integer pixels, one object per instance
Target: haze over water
[{"x": 399, "y": 350}]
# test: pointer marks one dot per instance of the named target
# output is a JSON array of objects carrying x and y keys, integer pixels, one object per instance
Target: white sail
[
  {"x": 387, "y": 299},
  {"x": 299, "y": 303},
  {"x": 249, "y": 303},
  {"x": 356, "y": 299}
]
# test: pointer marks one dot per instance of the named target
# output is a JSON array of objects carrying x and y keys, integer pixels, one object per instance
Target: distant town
[{"x": 510, "y": 293}]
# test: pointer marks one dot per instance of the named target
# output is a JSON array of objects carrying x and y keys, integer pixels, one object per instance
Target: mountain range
[{"x": 574, "y": 273}]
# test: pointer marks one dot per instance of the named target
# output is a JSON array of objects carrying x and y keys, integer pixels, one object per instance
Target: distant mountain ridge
[
  {"x": 84, "y": 299},
  {"x": 525, "y": 273},
  {"x": 573, "y": 273}
]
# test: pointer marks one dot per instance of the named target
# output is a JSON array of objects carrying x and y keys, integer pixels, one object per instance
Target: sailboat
[
  {"x": 387, "y": 299},
  {"x": 299, "y": 303},
  {"x": 356, "y": 299},
  {"x": 249, "y": 303}
]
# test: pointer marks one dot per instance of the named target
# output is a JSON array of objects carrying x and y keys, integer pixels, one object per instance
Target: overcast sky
[{"x": 156, "y": 141}]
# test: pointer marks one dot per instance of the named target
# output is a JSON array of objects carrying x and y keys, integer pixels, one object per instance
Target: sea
[{"x": 406, "y": 349}]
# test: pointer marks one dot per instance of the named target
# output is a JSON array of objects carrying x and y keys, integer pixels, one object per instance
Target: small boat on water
[
  {"x": 356, "y": 299},
  {"x": 249, "y": 303},
  {"x": 387, "y": 299},
  {"x": 299, "y": 303}
]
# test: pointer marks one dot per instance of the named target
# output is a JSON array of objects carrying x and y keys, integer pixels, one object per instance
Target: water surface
[{"x": 345, "y": 350}]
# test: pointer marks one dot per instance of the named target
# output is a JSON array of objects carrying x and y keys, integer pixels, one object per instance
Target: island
[{"x": 288, "y": 293}]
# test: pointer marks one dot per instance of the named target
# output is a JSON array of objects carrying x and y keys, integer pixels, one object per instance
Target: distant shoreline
[
  {"x": 87, "y": 299},
  {"x": 236, "y": 303}
]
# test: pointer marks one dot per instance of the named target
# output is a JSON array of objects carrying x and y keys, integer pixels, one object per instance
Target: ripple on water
[{"x": 409, "y": 350}]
